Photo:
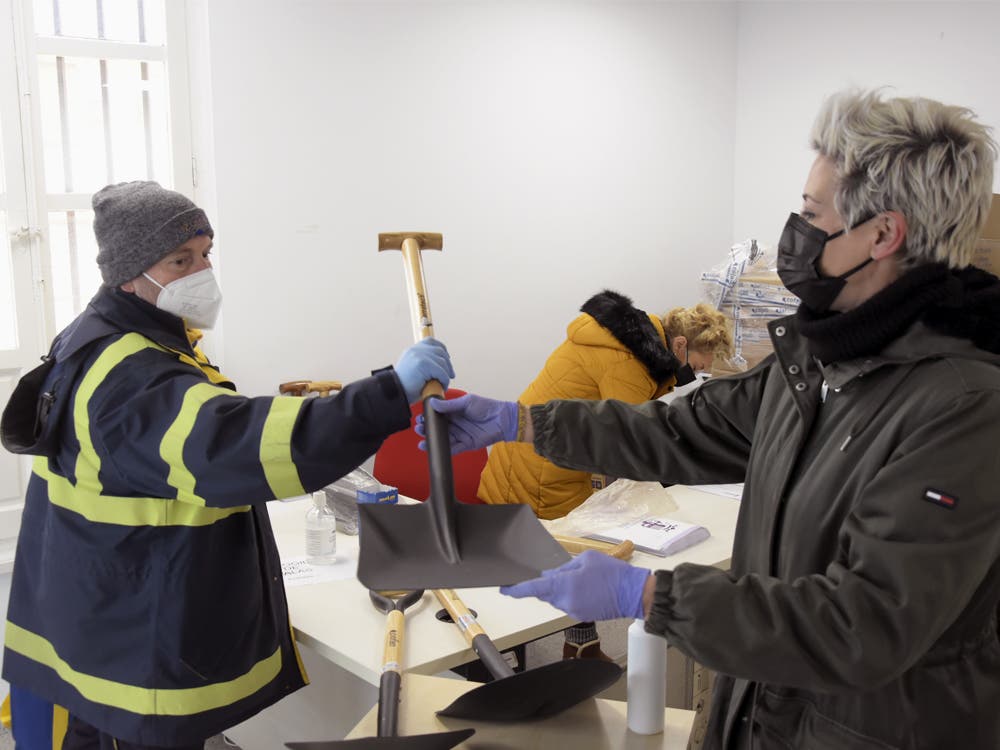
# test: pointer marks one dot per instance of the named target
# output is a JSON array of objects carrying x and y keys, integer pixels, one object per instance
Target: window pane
[
  {"x": 8, "y": 312},
  {"x": 75, "y": 276},
  {"x": 44, "y": 23},
  {"x": 103, "y": 121},
  {"x": 75, "y": 18},
  {"x": 119, "y": 20},
  {"x": 72, "y": 123},
  {"x": 134, "y": 21},
  {"x": 138, "y": 121}
]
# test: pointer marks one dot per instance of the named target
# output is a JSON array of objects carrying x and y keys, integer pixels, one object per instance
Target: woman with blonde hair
[{"x": 612, "y": 350}]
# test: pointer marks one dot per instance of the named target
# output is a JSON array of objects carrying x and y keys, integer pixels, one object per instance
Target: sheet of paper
[
  {"x": 296, "y": 571},
  {"x": 732, "y": 491},
  {"x": 657, "y": 536}
]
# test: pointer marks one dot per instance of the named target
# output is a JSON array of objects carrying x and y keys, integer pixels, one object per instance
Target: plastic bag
[
  {"x": 356, "y": 487},
  {"x": 622, "y": 501}
]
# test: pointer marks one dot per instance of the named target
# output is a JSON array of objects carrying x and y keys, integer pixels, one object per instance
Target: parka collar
[
  {"x": 919, "y": 342},
  {"x": 113, "y": 311},
  {"x": 633, "y": 328}
]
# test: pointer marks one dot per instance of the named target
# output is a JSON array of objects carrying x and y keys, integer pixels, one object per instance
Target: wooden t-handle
[
  {"x": 294, "y": 388},
  {"x": 323, "y": 387},
  {"x": 410, "y": 244},
  {"x": 302, "y": 387},
  {"x": 577, "y": 544}
]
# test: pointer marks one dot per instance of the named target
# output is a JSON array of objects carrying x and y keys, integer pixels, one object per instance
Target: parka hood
[
  {"x": 632, "y": 328},
  {"x": 971, "y": 311}
]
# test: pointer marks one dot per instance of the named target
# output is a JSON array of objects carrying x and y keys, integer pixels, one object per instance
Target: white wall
[
  {"x": 559, "y": 147},
  {"x": 794, "y": 54}
]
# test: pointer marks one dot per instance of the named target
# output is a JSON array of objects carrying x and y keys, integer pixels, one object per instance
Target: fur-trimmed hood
[{"x": 633, "y": 328}]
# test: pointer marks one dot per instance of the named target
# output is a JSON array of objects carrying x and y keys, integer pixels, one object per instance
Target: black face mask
[{"x": 799, "y": 251}]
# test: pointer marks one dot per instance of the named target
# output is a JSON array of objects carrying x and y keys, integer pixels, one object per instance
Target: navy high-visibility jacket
[{"x": 147, "y": 596}]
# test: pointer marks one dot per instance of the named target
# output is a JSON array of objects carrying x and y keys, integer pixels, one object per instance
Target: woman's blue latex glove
[
  {"x": 590, "y": 587},
  {"x": 426, "y": 360},
  {"x": 475, "y": 422}
]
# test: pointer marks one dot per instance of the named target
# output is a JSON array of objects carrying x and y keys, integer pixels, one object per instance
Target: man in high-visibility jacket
[{"x": 147, "y": 605}]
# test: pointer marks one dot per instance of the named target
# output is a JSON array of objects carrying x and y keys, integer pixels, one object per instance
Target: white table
[{"x": 341, "y": 632}]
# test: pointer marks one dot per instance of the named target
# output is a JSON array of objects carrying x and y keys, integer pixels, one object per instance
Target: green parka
[{"x": 861, "y": 608}]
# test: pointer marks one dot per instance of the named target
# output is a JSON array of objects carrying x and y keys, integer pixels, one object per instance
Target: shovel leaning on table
[
  {"x": 442, "y": 543},
  {"x": 388, "y": 693},
  {"x": 519, "y": 696}
]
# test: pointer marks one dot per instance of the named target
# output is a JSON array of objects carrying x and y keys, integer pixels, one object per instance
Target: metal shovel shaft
[
  {"x": 442, "y": 483},
  {"x": 474, "y": 634}
]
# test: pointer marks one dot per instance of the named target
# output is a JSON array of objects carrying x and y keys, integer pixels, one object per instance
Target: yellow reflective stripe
[
  {"x": 172, "y": 445},
  {"x": 5, "y": 711},
  {"x": 88, "y": 463},
  {"x": 276, "y": 447},
  {"x": 140, "y": 700},
  {"x": 127, "y": 511},
  {"x": 85, "y": 497},
  {"x": 60, "y": 722}
]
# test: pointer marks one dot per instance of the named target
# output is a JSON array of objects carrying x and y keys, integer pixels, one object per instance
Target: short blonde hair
[
  {"x": 931, "y": 162},
  {"x": 705, "y": 328}
]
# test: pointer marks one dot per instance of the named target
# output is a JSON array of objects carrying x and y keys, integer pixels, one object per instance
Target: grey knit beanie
[{"x": 137, "y": 224}]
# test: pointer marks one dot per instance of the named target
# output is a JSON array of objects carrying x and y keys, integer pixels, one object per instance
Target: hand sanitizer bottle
[
  {"x": 646, "y": 677},
  {"x": 321, "y": 532}
]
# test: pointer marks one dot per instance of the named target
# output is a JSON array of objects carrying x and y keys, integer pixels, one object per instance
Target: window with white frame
[
  {"x": 92, "y": 92},
  {"x": 104, "y": 118}
]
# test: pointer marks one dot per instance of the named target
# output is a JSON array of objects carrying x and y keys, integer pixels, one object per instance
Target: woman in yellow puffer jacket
[{"x": 612, "y": 351}]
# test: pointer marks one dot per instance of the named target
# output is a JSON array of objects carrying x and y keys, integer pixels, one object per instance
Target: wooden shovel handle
[
  {"x": 392, "y": 651},
  {"x": 410, "y": 244},
  {"x": 577, "y": 544},
  {"x": 465, "y": 620}
]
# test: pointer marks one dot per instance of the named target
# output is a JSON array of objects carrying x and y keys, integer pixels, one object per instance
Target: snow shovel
[
  {"x": 388, "y": 693},
  {"x": 521, "y": 696},
  {"x": 443, "y": 543}
]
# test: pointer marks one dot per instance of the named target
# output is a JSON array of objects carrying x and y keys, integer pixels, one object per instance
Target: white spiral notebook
[{"x": 657, "y": 536}]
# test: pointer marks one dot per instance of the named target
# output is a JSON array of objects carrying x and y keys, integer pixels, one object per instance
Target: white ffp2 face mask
[{"x": 196, "y": 298}]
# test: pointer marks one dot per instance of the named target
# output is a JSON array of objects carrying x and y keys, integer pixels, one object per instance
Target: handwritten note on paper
[
  {"x": 297, "y": 571},
  {"x": 657, "y": 536}
]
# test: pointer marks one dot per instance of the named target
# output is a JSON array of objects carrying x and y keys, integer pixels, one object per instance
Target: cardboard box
[{"x": 987, "y": 254}]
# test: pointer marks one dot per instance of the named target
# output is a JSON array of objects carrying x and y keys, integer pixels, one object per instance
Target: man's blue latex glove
[
  {"x": 426, "y": 360},
  {"x": 475, "y": 422},
  {"x": 590, "y": 587}
]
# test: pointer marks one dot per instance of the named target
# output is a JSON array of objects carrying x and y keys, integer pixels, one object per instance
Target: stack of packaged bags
[{"x": 747, "y": 290}]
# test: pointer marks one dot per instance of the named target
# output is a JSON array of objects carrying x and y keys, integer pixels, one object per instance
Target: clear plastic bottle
[{"x": 321, "y": 532}]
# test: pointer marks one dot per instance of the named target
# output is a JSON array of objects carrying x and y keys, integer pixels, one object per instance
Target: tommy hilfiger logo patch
[{"x": 940, "y": 498}]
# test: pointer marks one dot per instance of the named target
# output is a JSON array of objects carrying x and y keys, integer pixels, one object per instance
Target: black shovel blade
[
  {"x": 434, "y": 741},
  {"x": 536, "y": 693},
  {"x": 496, "y": 545}
]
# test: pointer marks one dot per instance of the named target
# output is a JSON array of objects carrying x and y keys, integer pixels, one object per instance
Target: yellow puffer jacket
[{"x": 612, "y": 350}]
